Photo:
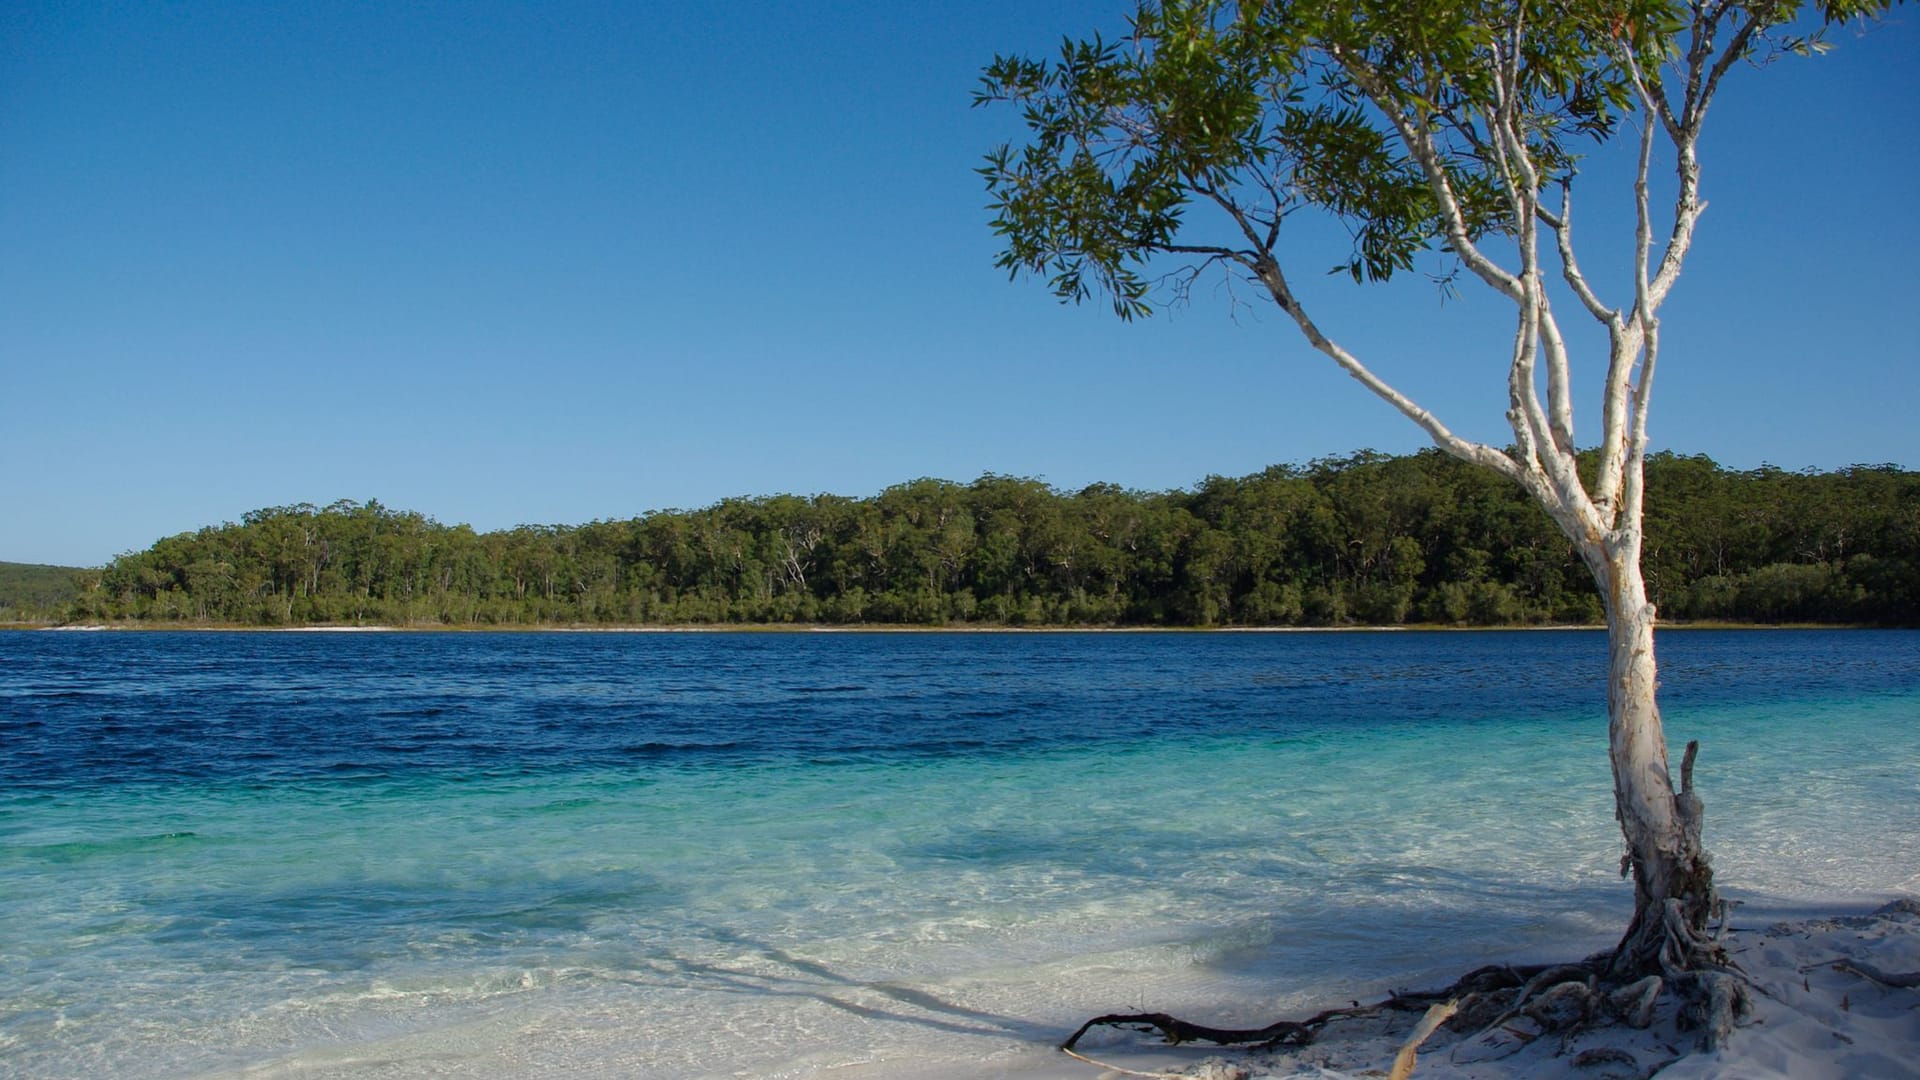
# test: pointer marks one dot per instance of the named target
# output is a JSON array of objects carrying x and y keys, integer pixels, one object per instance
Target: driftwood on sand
[{"x": 1841, "y": 981}]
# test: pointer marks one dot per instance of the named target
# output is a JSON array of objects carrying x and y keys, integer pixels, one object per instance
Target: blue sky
[{"x": 559, "y": 262}]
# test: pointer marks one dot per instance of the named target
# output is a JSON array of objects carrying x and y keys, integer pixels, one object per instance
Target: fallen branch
[
  {"x": 1909, "y": 980},
  {"x": 1176, "y": 1031}
]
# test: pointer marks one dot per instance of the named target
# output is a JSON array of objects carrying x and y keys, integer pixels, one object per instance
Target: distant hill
[{"x": 30, "y": 588}]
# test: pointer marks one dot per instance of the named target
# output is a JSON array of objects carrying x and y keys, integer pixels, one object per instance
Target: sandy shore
[{"x": 1819, "y": 1014}]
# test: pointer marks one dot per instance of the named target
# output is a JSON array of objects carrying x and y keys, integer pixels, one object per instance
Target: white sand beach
[{"x": 1821, "y": 1010}]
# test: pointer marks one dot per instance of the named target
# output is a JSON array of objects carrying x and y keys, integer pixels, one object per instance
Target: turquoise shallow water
[{"x": 764, "y": 855}]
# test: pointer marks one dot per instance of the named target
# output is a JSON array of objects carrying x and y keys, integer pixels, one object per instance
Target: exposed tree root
[
  {"x": 1497, "y": 1010},
  {"x": 1473, "y": 987},
  {"x": 1674, "y": 931}
]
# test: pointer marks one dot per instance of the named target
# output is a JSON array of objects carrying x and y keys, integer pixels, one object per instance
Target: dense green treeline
[
  {"x": 31, "y": 591},
  {"x": 1365, "y": 539}
]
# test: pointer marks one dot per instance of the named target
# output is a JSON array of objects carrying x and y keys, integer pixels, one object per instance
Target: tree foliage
[
  {"x": 31, "y": 591},
  {"x": 1361, "y": 539},
  {"x": 1194, "y": 140}
]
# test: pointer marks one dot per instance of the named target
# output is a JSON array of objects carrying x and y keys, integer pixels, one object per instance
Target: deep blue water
[
  {"x": 83, "y": 710},
  {"x": 682, "y": 855}
]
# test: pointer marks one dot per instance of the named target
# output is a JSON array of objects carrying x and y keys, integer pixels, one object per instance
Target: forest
[
  {"x": 35, "y": 591},
  {"x": 1365, "y": 539}
]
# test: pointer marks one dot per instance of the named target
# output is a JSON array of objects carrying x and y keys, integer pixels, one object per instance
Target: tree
[{"x": 1455, "y": 126}]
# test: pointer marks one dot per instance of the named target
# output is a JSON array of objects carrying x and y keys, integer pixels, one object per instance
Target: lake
[{"x": 755, "y": 854}]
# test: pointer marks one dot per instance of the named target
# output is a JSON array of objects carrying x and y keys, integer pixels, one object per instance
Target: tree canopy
[
  {"x": 1194, "y": 141},
  {"x": 1364, "y": 538}
]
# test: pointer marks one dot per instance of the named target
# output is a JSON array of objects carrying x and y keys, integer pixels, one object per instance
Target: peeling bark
[{"x": 1674, "y": 898}]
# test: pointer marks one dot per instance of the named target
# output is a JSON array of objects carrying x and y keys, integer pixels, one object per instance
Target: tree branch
[
  {"x": 1703, "y": 82},
  {"x": 1522, "y": 182},
  {"x": 1618, "y": 467},
  {"x": 1270, "y": 274},
  {"x": 1419, "y": 143},
  {"x": 1545, "y": 434},
  {"x": 1562, "y": 226},
  {"x": 1633, "y": 492}
]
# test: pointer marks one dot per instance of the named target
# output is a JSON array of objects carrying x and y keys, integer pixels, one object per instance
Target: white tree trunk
[{"x": 1672, "y": 876}]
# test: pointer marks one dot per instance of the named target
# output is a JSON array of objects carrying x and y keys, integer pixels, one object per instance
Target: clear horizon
[{"x": 501, "y": 265}]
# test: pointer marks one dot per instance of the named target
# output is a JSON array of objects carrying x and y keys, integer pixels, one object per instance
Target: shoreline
[{"x": 885, "y": 628}]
